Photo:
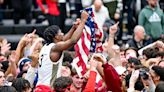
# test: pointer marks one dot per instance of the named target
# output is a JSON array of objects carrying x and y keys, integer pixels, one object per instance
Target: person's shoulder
[{"x": 131, "y": 40}]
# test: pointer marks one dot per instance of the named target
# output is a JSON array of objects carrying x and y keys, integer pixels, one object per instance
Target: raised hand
[
  {"x": 113, "y": 29},
  {"x": 31, "y": 36},
  {"x": 133, "y": 78},
  {"x": 12, "y": 57},
  {"x": 76, "y": 23},
  {"x": 84, "y": 16},
  {"x": 99, "y": 58},
  {"x": 5, "y": 47}
]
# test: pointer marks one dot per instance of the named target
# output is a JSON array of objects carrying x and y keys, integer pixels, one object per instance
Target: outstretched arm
[
  {"x": 60, "y": 46},
  {"x": 112, "y": 32},
  {"x": 72, "y": 30}
]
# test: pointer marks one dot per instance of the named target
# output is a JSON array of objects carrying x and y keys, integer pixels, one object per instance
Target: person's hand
[
  {"x": 76, "y": 23},
  {"x": 31, "y": 36},
  {"x": 5, "y": 47},
  {"x": 113, "y": 29},
  {"x": 27, "y": 38},
  {"x": 93, "y": 63},
  {"x": 35, "y": 58},
  {"x": 84, "y": 16},
  {"x": 12, "y": 57},
  {"x": 100, "y": 58},
  {"x": 133, "y": 78}
]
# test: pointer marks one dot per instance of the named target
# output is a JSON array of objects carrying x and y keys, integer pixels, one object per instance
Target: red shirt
[
  {"x": 112, "y": 79},
  {"x": 51, "y": 5},
  {"x": 91, "y": 83}
]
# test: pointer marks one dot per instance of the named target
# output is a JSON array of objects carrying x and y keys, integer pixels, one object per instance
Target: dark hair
[
  {"x": 159, "y": 71},
  {"x": 67, "y": 64},
  {"x": 7, "y": 89},
  {"x": 160, "y": 87},
  {"x": 5, "y": 65},
  {"x": 50, "y": 32},
  {"x": 139, "y": 85},
  {"x": 132, "y": 48},
  {"x": 150, "y": 52},
  {"x": 61, "y": 83},
  {"x": 135, "y": 61},
  {"x": 73, "y": 71},
  {"x": 67, "y": 57},
  {"x": 21, "y": 84}
]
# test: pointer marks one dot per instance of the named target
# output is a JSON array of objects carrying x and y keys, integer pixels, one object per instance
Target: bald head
[
  {"x": 139, "y": 32},
  {"x": 98, "y": 4}
]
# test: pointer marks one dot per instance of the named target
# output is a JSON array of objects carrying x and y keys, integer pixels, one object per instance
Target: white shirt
[
  {"x": 101, "y": 16},
  {"x": 46, "y": 72}
]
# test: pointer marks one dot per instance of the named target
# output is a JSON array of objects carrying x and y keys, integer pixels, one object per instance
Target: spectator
[
  {"x": 152, "y": 19},
  {"x": 22, "y": 8},
  {"x": 66, "y": 69},
  {"x": 52, "y": 12},
  {"x": 100, "y": 12},
  {"x": 131, "y": 52},
  {"x": 24, "y": 64},
  {"x": 51, "y": 53},
  {"x": 62, "y": 84},
  {"x": 138, "y": 41},
  {"x": 157, "y": 74},
  {"x": 21, "y": 85},
  {"x": 78, "y": 82}
]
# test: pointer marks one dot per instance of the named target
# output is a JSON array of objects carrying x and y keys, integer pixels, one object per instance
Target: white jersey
[{"x": 48, "y": 71}]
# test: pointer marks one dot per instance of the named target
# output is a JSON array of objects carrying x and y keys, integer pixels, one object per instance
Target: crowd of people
[{"x": 44, "y": 64}]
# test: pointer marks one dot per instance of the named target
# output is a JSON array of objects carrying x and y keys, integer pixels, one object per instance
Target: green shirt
[{"x": 153, "y": 21}]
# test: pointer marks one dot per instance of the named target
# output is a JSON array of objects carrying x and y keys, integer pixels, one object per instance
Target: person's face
[
  {"x": 26, "y": 66},
  {"x": 141, "y": 34},
  {"x": 97, "y": 7},
  {"x": 154, "y": 76},
  {"x": 2, "y": 79},
  {"x": 130, "y": 53},
  {"x": 77, "y": 81},
  {"x": 65, "y": 71},
  {"x": 152, "y": 3},
  {"x": 122, "y": 54},
  {"x": 59, "y": 36},
  {"x": 130, "y": 67}
]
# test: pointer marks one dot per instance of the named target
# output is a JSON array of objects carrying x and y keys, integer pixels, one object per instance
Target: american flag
[{"x": 90, "y": 41}]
